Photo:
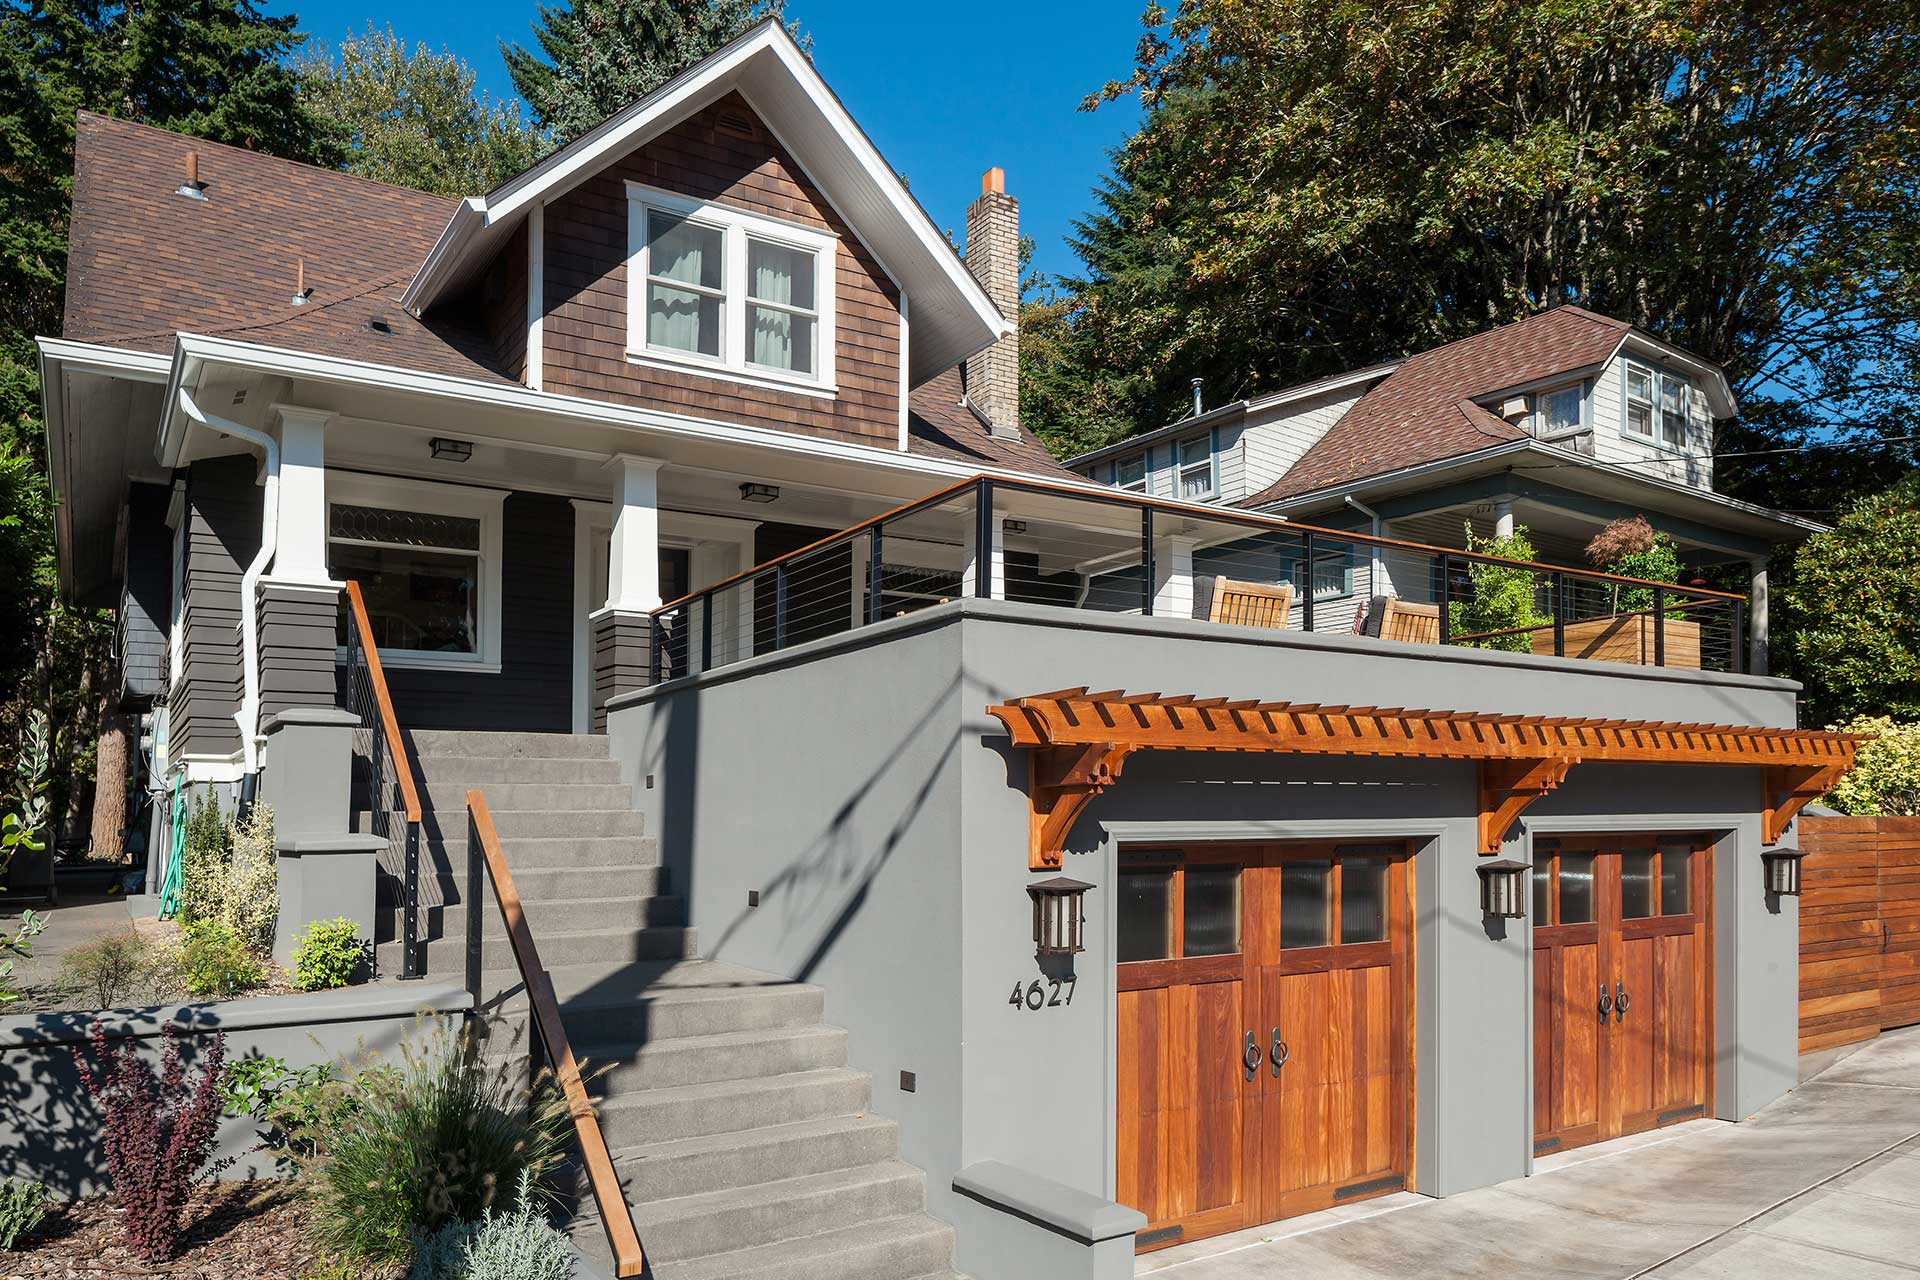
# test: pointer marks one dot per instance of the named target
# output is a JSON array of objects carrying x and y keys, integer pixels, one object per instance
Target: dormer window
[
  {"x": 1557, "y": 413},
  {"x": 1657, "y": 407},
  {"x": 1194, "y": 457},
  {"x": 715, "y": 290},
  {"x": 1131, "y": 473}
]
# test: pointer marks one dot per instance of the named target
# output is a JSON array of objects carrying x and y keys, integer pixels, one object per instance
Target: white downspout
[
  {"x": 248, "y": 716},
  {"x": 1373, "y": 571}
]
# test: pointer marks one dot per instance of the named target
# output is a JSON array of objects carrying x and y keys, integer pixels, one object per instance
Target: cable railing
[
  {"x": 485, "y": 859},
  {"x": 384, "y": 777},
  {"x": 1126, "y": 553}
]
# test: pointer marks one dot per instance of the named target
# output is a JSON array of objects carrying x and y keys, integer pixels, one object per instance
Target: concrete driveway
[{"x": 1824, "y": 1183}]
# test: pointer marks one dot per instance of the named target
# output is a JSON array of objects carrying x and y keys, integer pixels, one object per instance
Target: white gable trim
[{"x": 918, "y": 255}]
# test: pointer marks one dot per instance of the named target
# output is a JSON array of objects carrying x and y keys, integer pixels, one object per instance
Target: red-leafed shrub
[{"x": 158, "y": 1131}]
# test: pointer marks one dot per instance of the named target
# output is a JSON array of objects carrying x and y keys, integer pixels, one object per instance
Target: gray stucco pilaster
[{"x": 326, "y": 871}]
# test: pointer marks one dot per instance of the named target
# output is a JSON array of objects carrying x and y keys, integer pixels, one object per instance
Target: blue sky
[{"x": 916, "y": 76}]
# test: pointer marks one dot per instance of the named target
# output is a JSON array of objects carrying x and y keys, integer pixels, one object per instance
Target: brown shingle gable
[
  {"x": 146, "y": 263},
  {"x": 1424, "y": 411},
  {"x": 940, "y": 426}
]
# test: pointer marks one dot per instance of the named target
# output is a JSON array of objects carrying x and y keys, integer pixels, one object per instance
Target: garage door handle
[
  {"x": 1250, "y": 1056},
  {"x": 1620, "y": 1002},
  {"x": 1279, "y": 1054},
  {"x": 1606, "y": 1002}
]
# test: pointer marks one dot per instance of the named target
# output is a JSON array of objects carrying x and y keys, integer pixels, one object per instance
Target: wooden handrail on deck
[
  {"x": 402, "y": 771},
  {"x": 615, "y": 1214}
]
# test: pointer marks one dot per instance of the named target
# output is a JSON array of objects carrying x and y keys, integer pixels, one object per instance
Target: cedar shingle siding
[{"x": 586, "y": 287}]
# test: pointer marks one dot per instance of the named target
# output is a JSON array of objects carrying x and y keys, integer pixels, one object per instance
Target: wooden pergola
[{"x": 1080, "y": 741}]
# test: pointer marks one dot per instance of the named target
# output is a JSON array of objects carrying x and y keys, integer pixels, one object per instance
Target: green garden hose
[{"x": 176, "y": 851}]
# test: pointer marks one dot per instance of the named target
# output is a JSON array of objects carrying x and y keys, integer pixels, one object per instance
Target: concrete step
[
  {"x": 456, "y": 773},
  {"x": 543, "y": 884},
  {"x": 909, "y": 1247},
  {"x": 554, "y": 915},
  {"x": 451, "y": 797},
  {"x": 547, "y": 824},
  {"x": 698, "y": 1226},
  {"x": 716, "y": 1162},
  {"x": 546, "y": 853},
  {"x": 659, "y": 1001},
  {"x": 456, "y": 742},
  {"x": 448, "y": 955},
  {"x": 731, "y": 1106},
  {"x": 623, "y": 1065}
]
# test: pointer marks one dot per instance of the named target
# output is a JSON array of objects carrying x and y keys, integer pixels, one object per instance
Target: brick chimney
[{"x": 993, "y": 255}]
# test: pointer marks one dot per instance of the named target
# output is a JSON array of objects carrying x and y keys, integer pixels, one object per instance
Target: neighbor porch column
[
  {"x": 1173, "y": 577},
  {"x": 1757, "y": 619},
  {"x": 623, "y": 627},
  {"x": 1503, "y": 518}
]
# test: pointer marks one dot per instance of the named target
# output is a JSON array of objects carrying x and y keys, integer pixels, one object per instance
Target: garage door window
[
  {"x": 1212, "y": 911},
  {"x": 1676, "y": 879},
  {"x": 1636, "y": 884},
  {"x": 1145, "y": 924}
]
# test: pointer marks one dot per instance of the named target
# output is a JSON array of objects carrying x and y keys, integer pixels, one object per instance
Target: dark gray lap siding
[
  {"x": 223, "y": 534},
  {"x": 534, "y": 690}
]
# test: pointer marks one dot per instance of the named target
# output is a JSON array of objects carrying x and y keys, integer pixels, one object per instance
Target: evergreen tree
[
  {"x": 596, "y": 56},
  {"x": 411, "y": 117}
]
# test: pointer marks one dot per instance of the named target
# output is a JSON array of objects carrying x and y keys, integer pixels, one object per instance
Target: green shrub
[
  {"x": 1503, "y": 596},
  {"x": 1886, "y": 772},
  {"x": 18, "y": 944},
  {"x": 23, "y": 1206},
  {"x": 108, "y": 971},
  {"x": 232, "y": 874},
  {"x": 329, "y": 954},
  {"x": 431, "y": 1141},
  {"x": 1850, "y": 611},
  {"x": 215, "y": 962},
  {"x": 521, "y": 1245}
]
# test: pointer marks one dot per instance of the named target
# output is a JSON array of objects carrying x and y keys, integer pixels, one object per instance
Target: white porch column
[
  {"x": 996, "y": 561},
  {"x": 301, "y": 551},
  {"x": 1172, "y": 577},
  {"x": 1757, "y": 619},
  {"x": 1503, "y": 518},
  {"x": 633, "y": 567}
]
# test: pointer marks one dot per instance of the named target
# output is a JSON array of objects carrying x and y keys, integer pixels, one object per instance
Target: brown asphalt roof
[
  {"x": 146, "y": 263},
  {"x": 1424, "y": 411}
]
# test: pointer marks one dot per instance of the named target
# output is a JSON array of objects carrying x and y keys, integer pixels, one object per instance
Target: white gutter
[
  {"x": 248, "y": 717},
  {"x": 1378, "y": 531}
]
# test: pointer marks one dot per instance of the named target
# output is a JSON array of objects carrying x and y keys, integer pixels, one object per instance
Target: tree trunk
[{"x": 110, "y": 789}]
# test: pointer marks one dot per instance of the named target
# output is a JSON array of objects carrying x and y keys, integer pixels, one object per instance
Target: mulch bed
[{"x": 236, "y": 1231}]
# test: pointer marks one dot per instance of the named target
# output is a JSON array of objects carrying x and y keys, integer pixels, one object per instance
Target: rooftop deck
[{"x": 1124, "y": 553}]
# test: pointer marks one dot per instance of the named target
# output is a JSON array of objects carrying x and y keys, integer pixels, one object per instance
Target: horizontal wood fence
[{"x": 1859, "y": 928}]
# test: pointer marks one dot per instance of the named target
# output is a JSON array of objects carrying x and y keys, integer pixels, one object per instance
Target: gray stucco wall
[
  {"x": 49, "y": 1129},
  {"x": 860, "y": 787}
]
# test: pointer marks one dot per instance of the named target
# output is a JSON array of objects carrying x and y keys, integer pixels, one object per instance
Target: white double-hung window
[
  {"x": 1658, "y": 407},
  {"x": 719, "y": 291},
  {"x": 1194, "y": 458}
]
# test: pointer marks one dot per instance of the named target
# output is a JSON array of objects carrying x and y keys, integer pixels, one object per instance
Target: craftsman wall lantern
[
  {"x": 1783, "y": 871},
  {"x": 1058, "y": 917},
  {"x": 1503, "y": 888}
]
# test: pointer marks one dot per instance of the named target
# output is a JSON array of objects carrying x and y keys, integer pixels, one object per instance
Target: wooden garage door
[
  {"x": 1264, "y": 1032},
  {"x": 1621, "y": 946}
]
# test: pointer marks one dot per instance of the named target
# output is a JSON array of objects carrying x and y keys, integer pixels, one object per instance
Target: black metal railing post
[
  {"x": 410, "y": 957},
  {"x": 983, "y": 541},
  {"x": 780, "y": 606},
  {"x": 1740, "y": 659},
  {"x": 874, "y": 551},
  {"x": 1146, "y": 561},
  {"x": 1306, "y": 581},
  {"x": 1659, "y": 626},
  {"x": 476, "y": 910},
  {"x": 706, "y": 632},
  {"x": 655, "y": 647},
  {"x": 1446, "y": 598},
  {"x": 1559, "y": 589}
]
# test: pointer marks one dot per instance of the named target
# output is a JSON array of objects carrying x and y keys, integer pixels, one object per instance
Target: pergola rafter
[{"x": 1080, "y": 741}]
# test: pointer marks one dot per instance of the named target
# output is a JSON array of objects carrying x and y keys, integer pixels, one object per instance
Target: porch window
[
  {"x": 719, "y": 291},
  {"x": 1194, "y": 456},
  {"x": 427, "y": 558}
]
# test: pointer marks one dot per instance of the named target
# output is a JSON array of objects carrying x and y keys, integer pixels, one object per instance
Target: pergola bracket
[
  {"x": 1062, "y": 781},
  {"x": 1508, "y": 787},
  {"x": 1786, "y": 790}
]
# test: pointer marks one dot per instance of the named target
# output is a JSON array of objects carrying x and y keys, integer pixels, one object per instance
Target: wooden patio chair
[
  {"x": 1409, "y": 623},
  {"x": 1251, "y": 604}
]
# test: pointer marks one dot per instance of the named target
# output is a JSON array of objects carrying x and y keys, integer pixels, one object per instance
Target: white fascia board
[
  {"x": 196, "y": 350},
  {"x": 752, "y": 57},
  {"x": 141, "y": 366},
  {"x": 1712, "y": 378}
]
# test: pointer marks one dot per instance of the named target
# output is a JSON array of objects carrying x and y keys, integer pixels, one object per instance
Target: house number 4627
[{"x": 1042, "y": 995}]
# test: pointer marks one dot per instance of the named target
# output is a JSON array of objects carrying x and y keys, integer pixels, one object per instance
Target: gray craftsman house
[{"x": 961, "y": 863}]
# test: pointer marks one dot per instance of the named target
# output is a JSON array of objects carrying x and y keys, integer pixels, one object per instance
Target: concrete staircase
[{"x": 742, "y": 1138}]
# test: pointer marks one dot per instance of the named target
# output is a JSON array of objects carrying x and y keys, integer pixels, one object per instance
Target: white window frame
[
  {"x": 1180, "y": 469},
  {"x": 1686, "y": 413},
  {"x": 1652, "y": 434},
  {"x": 1131, "y": 486},
  {"x": 1541, "y": 429},
  {"x": 736, "y": 227},
  {"x": 485, "y": 505}
]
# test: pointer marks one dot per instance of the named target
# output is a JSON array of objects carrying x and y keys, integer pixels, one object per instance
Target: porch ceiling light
[
  {"x": 751, "y": 492},
  {"x": 1783, "y": 871},
  {"x": 1013, "y": 526},
  {"x": 451, "y": 450},
  {"x": 1503, "y": 888},
  {"x": 1058, "y": 915}
]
